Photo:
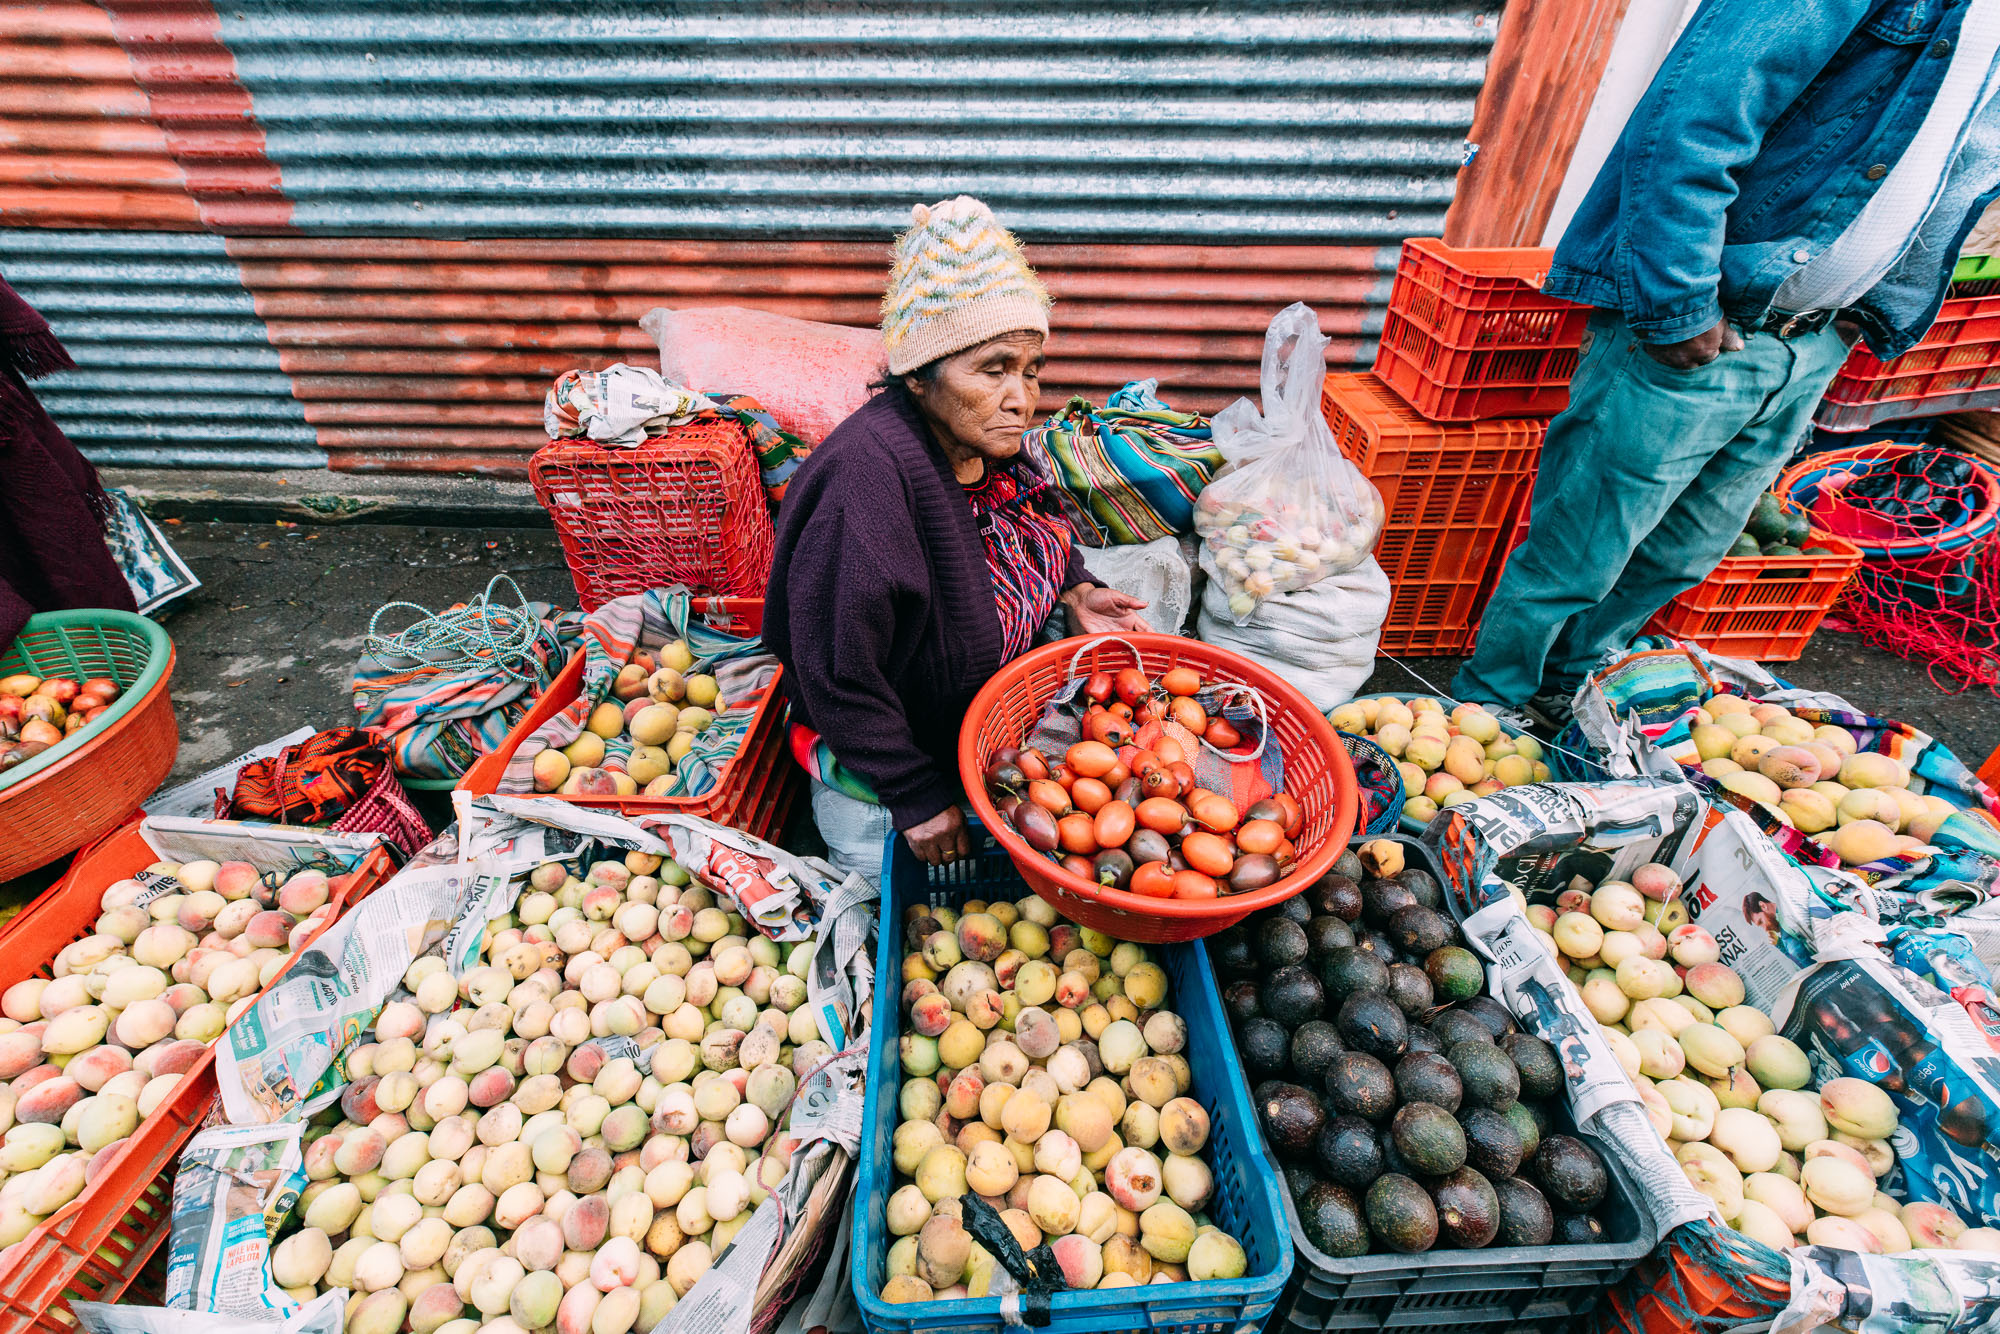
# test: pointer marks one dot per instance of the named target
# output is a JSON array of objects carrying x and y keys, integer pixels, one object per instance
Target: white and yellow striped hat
[{"x": 958, "y": 280}]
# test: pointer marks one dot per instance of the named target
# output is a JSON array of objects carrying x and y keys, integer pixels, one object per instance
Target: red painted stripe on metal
[
  {"x": 77, "y": 148},
  {"x": 434, "y": 355},
  {"x": 177, "y": 51}
]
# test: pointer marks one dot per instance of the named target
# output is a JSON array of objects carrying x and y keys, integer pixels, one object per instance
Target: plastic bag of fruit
[{"x": 1288, "y": 509}]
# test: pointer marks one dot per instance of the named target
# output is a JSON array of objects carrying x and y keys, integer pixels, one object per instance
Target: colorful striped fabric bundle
[
  {"x": 1129, "y": 472},
  {"x": 742, "y": 669},
  {"x": 444, "y": 712},
  {"x": 778, "y": 452}
]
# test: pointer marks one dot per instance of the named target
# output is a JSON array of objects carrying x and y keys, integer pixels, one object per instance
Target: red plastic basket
[
  {"x": 1955, "y": 368},
  {"x": 683, "y": 508},
  {"x": 1454, "y": 494},
  {"x": 1764, "y": 608},
  {"x": 1318, "y": 775},
  {"x": 753, "y": 792},
  {"x": 1469, "y": 334},
  {"x": 94, "y": 1247}
]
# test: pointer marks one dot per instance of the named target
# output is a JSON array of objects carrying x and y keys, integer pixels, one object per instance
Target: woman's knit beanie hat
[{"x": 959, "y": 279}]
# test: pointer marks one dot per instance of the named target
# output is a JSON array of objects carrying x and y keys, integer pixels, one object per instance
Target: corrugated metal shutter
[{"x": 1179, "y": 171}]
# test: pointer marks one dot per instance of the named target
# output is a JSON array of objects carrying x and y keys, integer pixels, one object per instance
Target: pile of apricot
[{"x": 1121, "y": 807}]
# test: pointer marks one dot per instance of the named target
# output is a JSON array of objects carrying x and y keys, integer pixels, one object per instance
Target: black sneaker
[{"x": 1554, "y": 708}]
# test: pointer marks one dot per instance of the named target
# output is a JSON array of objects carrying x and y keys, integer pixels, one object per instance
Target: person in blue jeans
[{"x": 1794, "y": 163}]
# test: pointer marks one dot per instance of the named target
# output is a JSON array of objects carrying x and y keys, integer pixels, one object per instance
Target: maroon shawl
[{"x": 52, "y": 551}]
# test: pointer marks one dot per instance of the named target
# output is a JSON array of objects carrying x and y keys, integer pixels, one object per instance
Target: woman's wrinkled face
[{"x": 983, "y": 398}]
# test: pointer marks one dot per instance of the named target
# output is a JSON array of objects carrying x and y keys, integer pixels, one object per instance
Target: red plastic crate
[
  {"x": 97, "y": 1245},
  {"x": 1454, "y": 495},
  {"x": 1469, "y": 335},
  {"x": 1764, "y": 608},
  {"x": 756, "y": 787},
  {"x": 1955, "y": 368},
  {"x": 683, "y": 508}
]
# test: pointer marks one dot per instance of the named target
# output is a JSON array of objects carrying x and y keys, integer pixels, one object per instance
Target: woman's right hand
[{"x": 941, "y": 839}]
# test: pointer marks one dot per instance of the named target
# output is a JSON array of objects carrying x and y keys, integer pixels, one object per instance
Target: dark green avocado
[
  {"x": 1410, "y": 988},
  {"x": 1334, "y": 1221},
  {"x": 1570, "y": 1174},
  {"x": 1423, "y": 1076},
  {"x": 1525, "y": 1217},
  {"x": 1541, "y": 1073},
  {"x": 1455, "y": 974},
  {"x": 1491, "y": 1143},
  {"x": 1314, "y": 1047},
  {"x": 1351, "y": 970},
  {"x": 1292, "y": 1119},
  {"x": 1490, "y": 1079},
  {"x": 1370, "y": 1022},
  {"x": 1429, "y": 1139},
  {"x": 1293, "y": 996},
  {"x": 1401, "y": 1215},
  {"x": 1347, "y": 1152},
  {"x": 1468, "y": 1210},
  {"x": 1360, "y": 1085}
]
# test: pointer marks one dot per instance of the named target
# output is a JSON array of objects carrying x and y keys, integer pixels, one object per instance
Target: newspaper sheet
[{"x": 234, "y": 1186}]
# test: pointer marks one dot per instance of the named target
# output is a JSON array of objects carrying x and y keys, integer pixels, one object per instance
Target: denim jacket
[{"x": 1760, "y": 140}]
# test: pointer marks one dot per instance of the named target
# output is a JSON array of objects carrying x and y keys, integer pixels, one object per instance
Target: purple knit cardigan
[{"x": 881, "y": 608}]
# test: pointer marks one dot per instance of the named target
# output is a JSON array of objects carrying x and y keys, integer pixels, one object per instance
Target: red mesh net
[{"x": 1894, "y": 605}]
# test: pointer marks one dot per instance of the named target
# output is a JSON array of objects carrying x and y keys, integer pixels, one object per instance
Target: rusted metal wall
[{"x": 427, "y": 211}]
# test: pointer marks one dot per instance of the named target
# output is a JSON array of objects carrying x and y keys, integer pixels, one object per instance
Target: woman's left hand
[{"x": 1096, "y": 610}]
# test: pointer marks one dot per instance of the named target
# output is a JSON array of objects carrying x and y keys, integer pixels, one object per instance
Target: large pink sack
[{"x": 809, "y": 376}]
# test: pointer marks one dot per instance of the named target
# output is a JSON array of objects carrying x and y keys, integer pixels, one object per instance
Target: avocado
[
  {"x": 1782, "y": 549},
  {"x": 1491, "y": 1013},
  {"x": 1376, "y": 943},
  {"x": 1468, "y": 1210},
  {"x": 1428, "y": 1138},
  {"x": 1410, "y": 988},
  {"x": 1745, "y": 545},
  {"x": 1418, "y": 930},
  {"x": 1392, "y": 1157},
  {"x": 1265, "y": 1045},
  {"x": 1294, "y": 909},
  {"x": 1293, "y": 996},
  {"x": 1348, "y": 866},
  {"x": 1369, "y": 1021},
  {"x": 1541, "y": 1073},
  {"x": 1401, "y": 1215},
  {"x": 1292, "y": 1119},
  {"x": 1454, "y": 1026},
  {"x": 1422, "y": 1039},
  {"x": 1347, "y": 1152},
  {"x": 1570, "y": 1173},
  {"x": 1314, "y": 1046},
  {"x": 1334, "y": 1221},
  {"x": 1455, "y": 974},
  {"x": 1380, "y": 899},
  {"x": 1351, "y": 970},
  {"x": 1359, "y": 1085},
  {"x": 1422, "y": 884},
  {"x": 1579, "y": 1230},
  {"x": 1490, "y": 1079},
  {"x": 1298, "y": 1180},
  {"x": 1280, "y": 943},
  {"x": 1424, "y": 1076},
  {"x": 1325, "y": 934},
  {"x": 1243, "y": 1001},
  {"x": 1797, "y": 527},
  {"x": 1337, "y": 896},
  {"x": 1525, "y": 1217},
  {"x": 1526, "y": 1125},
  {"x": 1229, "y": 950},
  {"x": 1816, "y": 550},
  {"x": 1491, "y": 1143},
  {"x": 1767, "y": 520}
]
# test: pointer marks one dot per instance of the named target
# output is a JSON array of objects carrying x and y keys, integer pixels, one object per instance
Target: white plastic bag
[
  {"x": 1154, "y": 572},
  {"x": 1321, "y": 639},
  {"x": 1287, "y": 510}
]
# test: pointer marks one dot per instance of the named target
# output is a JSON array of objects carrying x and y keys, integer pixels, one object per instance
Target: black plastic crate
[{"x": 1497, "y": 1288}]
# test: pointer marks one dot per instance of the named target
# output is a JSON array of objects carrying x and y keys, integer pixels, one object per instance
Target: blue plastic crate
[{"x": 1247, "y": 1204}]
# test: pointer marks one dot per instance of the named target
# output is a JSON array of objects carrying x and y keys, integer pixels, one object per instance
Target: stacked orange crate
[{"x": 1454, "y": 494}]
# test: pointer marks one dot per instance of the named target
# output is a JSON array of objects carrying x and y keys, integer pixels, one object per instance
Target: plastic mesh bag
[{"x": 1288, "y": 509}]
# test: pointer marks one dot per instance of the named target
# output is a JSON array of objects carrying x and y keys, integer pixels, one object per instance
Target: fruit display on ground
[
  {"x": 1045, "y": 1074},
  {"x": 1122, "y": 808},
  {"x": 1857, "y": 804},
  {"x": 1730, "y": 1096},
  {"x": 1445, "y": 758},
  {"x": 37, "y": 712},
  {"x": 568, "y": 1136},
  {"x": 1408, "y": 1109},
  {"x": 89, "y": 1052},
  {"x": 657, "y": 709}
]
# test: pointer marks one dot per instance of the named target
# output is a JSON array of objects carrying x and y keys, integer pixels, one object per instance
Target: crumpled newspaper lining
[{"x": 619, "y": 405}]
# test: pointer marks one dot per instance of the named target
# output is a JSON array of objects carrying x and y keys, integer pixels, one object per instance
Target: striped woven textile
[
  {"x": 610, "y": 636},
  {"x": 1129, "y": 472},
  {"x": 1027, "y": 551},
  {"x": 442, "y": 719}
]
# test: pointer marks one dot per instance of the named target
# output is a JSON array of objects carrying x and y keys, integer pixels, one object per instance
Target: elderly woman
[{"x": 918, "y": 550}]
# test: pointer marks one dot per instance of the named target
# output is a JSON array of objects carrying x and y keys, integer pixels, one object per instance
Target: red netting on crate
[{"x": 1928, "y": 589}]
